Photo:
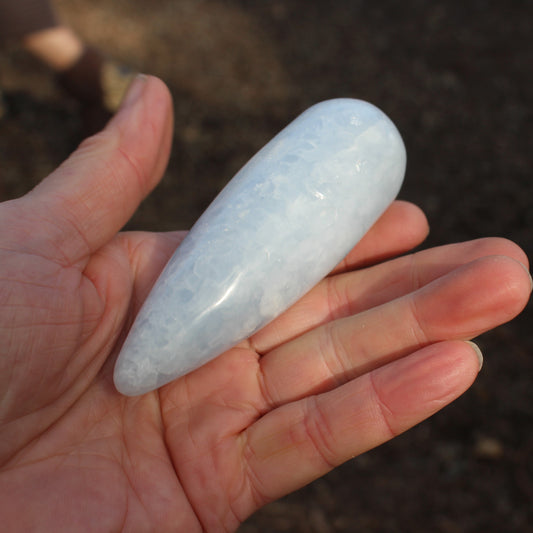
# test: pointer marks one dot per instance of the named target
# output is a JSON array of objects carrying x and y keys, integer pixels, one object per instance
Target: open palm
[{"x": 373, "y": 349}]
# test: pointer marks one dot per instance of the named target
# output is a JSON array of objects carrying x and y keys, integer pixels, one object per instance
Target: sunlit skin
[{"x": 372, "y": 350}]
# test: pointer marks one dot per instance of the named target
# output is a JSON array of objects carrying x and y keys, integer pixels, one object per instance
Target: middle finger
[
  {"x": 460, "y": 305},
  {"x": 349, "y": 293}
]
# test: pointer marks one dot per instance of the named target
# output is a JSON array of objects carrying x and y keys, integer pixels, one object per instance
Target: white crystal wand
[{"x": 278, "y": 227}]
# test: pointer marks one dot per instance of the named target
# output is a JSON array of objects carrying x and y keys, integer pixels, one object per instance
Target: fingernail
[
  {"x": 476, "y": 349},
  {"x": 134, "y": 91},
  {"x": 529, "y": 274}
]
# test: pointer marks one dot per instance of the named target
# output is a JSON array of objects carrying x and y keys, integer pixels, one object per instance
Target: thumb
[{"x": 87, "y": 200}]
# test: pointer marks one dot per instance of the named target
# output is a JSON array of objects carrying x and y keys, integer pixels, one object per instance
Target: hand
[{"x": 372, "y": 350}]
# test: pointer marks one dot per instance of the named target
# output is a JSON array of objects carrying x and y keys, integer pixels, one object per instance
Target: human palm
[{"x": 372, "y": 350}]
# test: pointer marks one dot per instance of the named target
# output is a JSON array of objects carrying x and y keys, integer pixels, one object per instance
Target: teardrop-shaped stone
[{"x": 279, "y": 226}]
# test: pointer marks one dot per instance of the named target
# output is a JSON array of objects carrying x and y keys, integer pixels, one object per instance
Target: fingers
[
  {"x": 303, "y": 440},
  {"x": 402, "y": 227},
  {"x": 350, "y": 293},
  {"x": 90, "y": 197},
  {"x": 459, "y": 305}
]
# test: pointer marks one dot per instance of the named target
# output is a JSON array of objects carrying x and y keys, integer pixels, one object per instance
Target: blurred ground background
[{"x": 456, "y": 78}]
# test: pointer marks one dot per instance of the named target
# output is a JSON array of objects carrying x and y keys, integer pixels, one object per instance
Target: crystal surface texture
[{"x": 278, "y": 227}]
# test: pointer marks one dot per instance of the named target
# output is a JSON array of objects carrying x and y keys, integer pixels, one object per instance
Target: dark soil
[{"x": 456, "y": 78}]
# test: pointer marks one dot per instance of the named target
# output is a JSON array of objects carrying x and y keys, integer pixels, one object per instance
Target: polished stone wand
[{"x": 277, "y": 228}]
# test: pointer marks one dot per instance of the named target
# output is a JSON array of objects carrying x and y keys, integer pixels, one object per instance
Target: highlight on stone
[{"x": 278, "y": 227}]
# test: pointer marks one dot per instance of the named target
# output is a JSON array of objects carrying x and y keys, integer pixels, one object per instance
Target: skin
[
  {"x": 57, "y": 47},
  {"x": 372, "y": 350}
]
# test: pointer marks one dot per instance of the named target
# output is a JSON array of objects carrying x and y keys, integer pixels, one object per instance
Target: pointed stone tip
[
  {"x": 127, "y": 380},
  {"x": 134, "y": 377},
  {"x": 123, "y": 385}
]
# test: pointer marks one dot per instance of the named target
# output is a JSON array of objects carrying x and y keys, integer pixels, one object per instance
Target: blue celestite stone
[{"x": 279, "y": 226}]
